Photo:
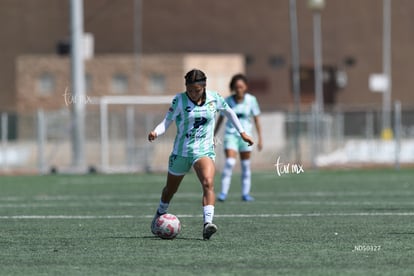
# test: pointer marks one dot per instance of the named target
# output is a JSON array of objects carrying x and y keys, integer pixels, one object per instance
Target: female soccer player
[
  {"x": 194, "y": 114},
  {"x": 246, "y": 107}
]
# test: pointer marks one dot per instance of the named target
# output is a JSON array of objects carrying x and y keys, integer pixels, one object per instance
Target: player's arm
[
  {"x": 160, "y": 129},
  {"x": 231, "y": 115},
  {"x": 218, "y": 124},
  {"x": 259, "y": 132}
]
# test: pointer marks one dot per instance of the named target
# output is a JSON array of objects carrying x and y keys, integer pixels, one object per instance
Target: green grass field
[{"x": 315, "y": 223}]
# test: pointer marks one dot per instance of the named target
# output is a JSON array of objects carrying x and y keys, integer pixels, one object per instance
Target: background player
[
  {"x": 194, "y": 113},
  {"x": 246, "y": 107}
]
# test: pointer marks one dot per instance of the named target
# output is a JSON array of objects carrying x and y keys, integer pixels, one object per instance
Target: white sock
[
  {"x": 162, "y": 208},
  {"x": 208, "y": 211},
  {"x": 226, "y": 175},
  {"x": 246, "y": 177}
]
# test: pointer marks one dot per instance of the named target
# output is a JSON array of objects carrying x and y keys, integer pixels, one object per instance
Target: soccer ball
[{"x": 167, "y": 226}]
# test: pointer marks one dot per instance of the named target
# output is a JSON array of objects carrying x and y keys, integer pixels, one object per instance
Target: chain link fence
[{"x": 41, "y": 142}]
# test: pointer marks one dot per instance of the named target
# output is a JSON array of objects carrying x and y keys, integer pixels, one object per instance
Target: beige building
[
  {"x": 43, "y": 81},
  {"x": 258, "y": 30}
]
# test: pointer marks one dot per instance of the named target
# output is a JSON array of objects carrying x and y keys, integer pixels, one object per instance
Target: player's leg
[
  {"x": 205, "y": 170},
  {"x": 178, "y": 166},
  {"x": 246, "y": 175},
  {"x": 230, "y": 151},
  {"x": 170, "y": 188},
  {"x": 227, "y": 173}
]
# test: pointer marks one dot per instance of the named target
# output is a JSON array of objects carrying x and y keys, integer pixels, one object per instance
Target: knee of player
[
  {"x": 230, "y": 162},
  {"x": 207, "y": 182}
]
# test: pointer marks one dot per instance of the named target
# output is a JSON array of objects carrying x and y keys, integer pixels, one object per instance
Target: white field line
[
  {"x": 291, "y": 215},
  {"x": 274, "y": 194},
  {"x": 87, "y": 204},
  {"x": 77, "y": 204}
]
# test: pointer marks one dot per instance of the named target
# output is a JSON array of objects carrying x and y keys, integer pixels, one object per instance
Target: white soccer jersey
[
  {"x": 195, "y": 124},
  {"x": 245, "y": 110}
]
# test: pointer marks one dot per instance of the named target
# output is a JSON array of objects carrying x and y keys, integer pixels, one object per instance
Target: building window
[
  {"x": 156, "y": 83},
  {"x": 276, "y": 61},
  {"x": 88, "y": 83},
  {"x": 120, "y": 84},
  {"x": 46, "y": 84}
]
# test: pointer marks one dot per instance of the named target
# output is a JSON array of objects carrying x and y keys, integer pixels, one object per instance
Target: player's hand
[
  {"x": 260, "y": 145},
  {"x": 215, "y": 141},
  {"x": 152, "y": 136},
  {"x": 247, "y": 138}
]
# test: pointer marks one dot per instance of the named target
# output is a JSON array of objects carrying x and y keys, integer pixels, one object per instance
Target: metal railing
[{"x": 41, "y": 142}]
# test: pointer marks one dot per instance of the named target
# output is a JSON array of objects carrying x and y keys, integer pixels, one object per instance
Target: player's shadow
[{"x": 152, "y": 238}]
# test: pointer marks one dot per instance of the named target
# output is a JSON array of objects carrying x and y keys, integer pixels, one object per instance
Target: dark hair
[
  {"x": 195, "y": 76},
  {"x": 236, "y": 78}
]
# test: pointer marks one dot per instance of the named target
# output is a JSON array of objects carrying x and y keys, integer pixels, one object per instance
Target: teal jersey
[
  {"x": 195, "y": 124},
  {"x": 245, "y": 110}
]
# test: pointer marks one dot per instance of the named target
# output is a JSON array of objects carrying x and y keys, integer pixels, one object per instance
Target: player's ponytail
[{"x": 195, "y": 76}]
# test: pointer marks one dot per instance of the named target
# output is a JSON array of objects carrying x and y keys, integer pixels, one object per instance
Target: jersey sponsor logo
[
  {"x": 195, "y": 131},
  {"x": 199, "y": 122},
  {"x": 199, "y": 109},
  {"x": 195, "y": 135}
]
